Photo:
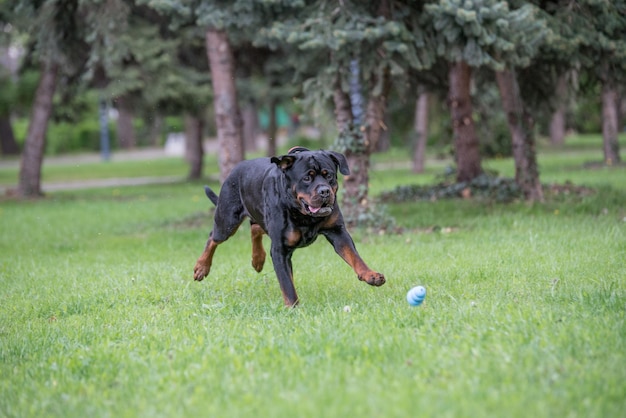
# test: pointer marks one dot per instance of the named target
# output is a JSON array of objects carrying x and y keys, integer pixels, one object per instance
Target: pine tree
[
  {"x": 381, "y": 40},
  {"x": 601, "y": 27},
  {"x": 56, "y": 38},
  {"x": 587, "y": 37},
  {"x": 472, "y": 34},
  {"x": 229, "y": 24}
]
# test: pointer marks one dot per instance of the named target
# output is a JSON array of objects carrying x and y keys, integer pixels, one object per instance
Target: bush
[
  {"x": 486, "y": 186},
  {"x": 82, "y": 136}
]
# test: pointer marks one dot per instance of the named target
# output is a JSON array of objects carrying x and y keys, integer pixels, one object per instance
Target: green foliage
[
  {"x": 26, "y": 88},
  {"x": 8, "y": 88},
  {"x": 83, "y": 135},
  {"x": 492, "y": 127},
  {"x": 74, "y": 125},
  {"x": 373, "y": 217},
  {"x": 350, "y": 140},
  {"x": 588, "y": 36},
  {"x": 587, "y": 112},
  {"x": 18, "y": 94},
  {"x": 326, "y": 38},
  {"x": 486, "y": 32},
  {"x": 601, "y": 37},
  {"x": 148, "y": 66},
  {"x": 486, "y": 187}
]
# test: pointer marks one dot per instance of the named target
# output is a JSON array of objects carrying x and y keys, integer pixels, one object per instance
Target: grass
[{"x": 525, "y": 313}]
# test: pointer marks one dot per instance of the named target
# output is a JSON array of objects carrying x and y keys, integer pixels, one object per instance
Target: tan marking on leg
[
  {"x": 203, "y": 265},
  {"x": 288, "y": 302},
  {"x": 258, "y": 252},
  {"x": 360, "y": 268}
]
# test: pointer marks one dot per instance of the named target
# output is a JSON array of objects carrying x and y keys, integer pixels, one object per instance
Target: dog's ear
[
  {"x": 284, "y": 162},
  {"x": 340, "y": 161}
]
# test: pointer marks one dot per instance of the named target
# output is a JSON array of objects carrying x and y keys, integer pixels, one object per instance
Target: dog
[{"x": 291, "y": 198}]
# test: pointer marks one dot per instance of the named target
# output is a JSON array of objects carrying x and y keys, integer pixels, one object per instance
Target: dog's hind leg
[
  {"x": 228, "y": 216},
  {"x": 258, "y": 252}
]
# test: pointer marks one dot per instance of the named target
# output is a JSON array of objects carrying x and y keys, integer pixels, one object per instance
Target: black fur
[{"x": 292, "y": 198}]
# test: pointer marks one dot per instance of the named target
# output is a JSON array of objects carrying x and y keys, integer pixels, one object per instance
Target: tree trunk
[
  {"x": 272, "y": 128},
  {"x": 35, "y": 144},
  {"x": 343, "y": 109},
  {"x": 522, "y": 137},
  {"x": 621, "y": 108},
  {"x": 154, "y": 134},
  {"x": 610, "y": 123},
  {"x": 384, "y": 141},
  {"x": 421, "y": 131},
  {"x": 376, "y": 107},
  {"x": 194, "y": 152},
  {"x": 465, "y": 140},
  {"x": 348, "y": 114},
  {"x": 557, "y": 126},
  {"x": 227, "y": 114},
  {"x": 125, "y": 130},
  {"x": 8, "y": 145},
  {"x": 374, "y": 120},
  {"x": 557, "y": 122},
  {"x": 103, "y": 119},
  {"x": 250, "y": 126}
]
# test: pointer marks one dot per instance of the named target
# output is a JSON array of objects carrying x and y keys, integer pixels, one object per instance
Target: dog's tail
[{"x": 210, "y": 194}]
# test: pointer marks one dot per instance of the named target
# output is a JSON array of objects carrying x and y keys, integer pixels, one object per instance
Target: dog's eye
[
  {"x": 329, "y": 176},
  {"x": 307, "y": 179}
]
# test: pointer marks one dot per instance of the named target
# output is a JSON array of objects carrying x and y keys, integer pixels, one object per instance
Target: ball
[{"x": 416, "y": 295}]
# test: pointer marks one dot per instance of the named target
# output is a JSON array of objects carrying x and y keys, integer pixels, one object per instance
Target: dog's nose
[{"x": 323, "y": 191}]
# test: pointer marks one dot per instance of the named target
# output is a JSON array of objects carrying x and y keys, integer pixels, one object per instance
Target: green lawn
[{"x": 525, "y": 313}]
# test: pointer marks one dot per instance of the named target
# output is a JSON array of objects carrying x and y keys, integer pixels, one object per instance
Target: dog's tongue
[{"x": 314, "y": 210}]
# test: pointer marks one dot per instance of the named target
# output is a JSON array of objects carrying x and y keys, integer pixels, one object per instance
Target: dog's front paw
[
  {"x": 372, "y": 278},
  {"x": 200, "y": 271}
]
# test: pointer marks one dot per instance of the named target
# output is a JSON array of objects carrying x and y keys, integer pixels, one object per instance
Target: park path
[
  {"x": 130, "y": 155},
  {"x": 90, "y": 158}
]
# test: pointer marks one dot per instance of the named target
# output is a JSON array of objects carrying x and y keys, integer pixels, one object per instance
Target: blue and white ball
[{"x": 416, "y": 295}]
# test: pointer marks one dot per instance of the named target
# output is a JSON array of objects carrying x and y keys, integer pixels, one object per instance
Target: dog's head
[{"x": 312, "y": 178}]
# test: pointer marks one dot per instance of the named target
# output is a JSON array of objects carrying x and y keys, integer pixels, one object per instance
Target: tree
[
  {"x": 125, "y": 130},
  {"x": 34, "y": 146},
  {"x": 486, "y": 33},
  {"x": 226, "y": 27},
  {"x": 558, "y": 118},
  {"x": 610, "y": 118},
  {"x": 588, "y": 38},
  {"x": 154, "y": 64},
  {"x": 55, "y": 41},
  {"x": 421, "y": 129},
  {"x": 226, "y": 107},
  {"x": 194, "y": 152},
  {"x": 527, "y": 33},
  {"x": 522, "y": 137},
  {"x": 466, "y": 145},
  {"x": 8, "y": 84},
  {"x": 8, "y": 145},
  {"x": 229, "y": 23},
  {"x": 353, "y": 50},
  {"x": 603, "y": 51}
]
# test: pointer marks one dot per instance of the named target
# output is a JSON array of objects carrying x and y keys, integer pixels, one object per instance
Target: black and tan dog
[{"x": 292, "y": 199}]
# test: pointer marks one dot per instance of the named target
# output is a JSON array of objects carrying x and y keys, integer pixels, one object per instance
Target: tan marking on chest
[{"x": 292, "y": 238}]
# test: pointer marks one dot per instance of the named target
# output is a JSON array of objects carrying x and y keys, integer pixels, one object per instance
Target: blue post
[{"x": 356, "y": 97}]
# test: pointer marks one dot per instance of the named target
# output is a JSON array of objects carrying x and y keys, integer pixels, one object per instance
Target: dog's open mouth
[{"x": 317, "y": 211}]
